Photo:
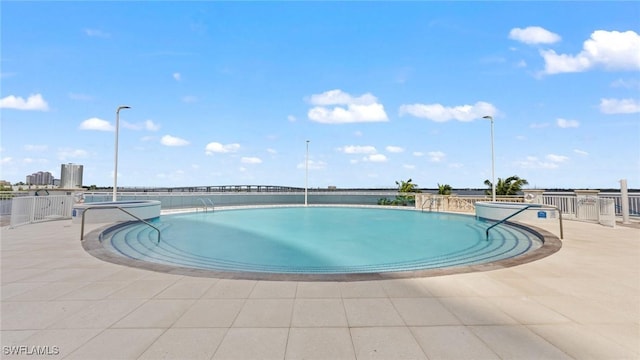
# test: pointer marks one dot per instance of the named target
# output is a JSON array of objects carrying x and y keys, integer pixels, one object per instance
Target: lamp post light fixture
[
  {"x": 493, "y": 163},
  {"x": 306, "y": 176},
  {"x": 115, "y": 171}
]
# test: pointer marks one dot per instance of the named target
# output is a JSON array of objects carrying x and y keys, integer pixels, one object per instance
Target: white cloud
[
  {"x": 292, "y": 118},
  {"x": 169, "y": 140},
  {"x": 33, "y": 102},
  {"x": 556, "y": 158},
  {"x": 611, "y": 50},
  {"x": 626, "y": 83},
  {"x": 355, "y": 149},
  {"x": 352, "y": 114},
  {"x": 97, "y": 33},
  {"x": 360, "y": 109},
  {"x": 408, "y": 166},
  {"x": 216, "y": 147},
  {"x": 532, "y": 162},
  {"x": 177, "y": 76},
  {"x": 151, "y": 126},
  {"x": 6, "y": 160},
  {"x": 534, "y": 35},
  {"x": 251, "y": 160},
  {"x": 147, "y": 125},
  {"x": 440, "y": 113},
  {"x": 375, "y": 158},
  {"x": 436, "y": 156},
  {"x": 339, "y": 97},
  {"x": 564, "y": 123},
  {"x": 580, "y": 152},
  {"x": 189, "y": 99},
  {"x": 272, "y": 151},
  {"x": 418, "y": 153},
  {"x": 619, "y": 106},
  {"x": 67, "y": 153},
  {"x": 394, "y": 149},
  {"x": 96, "y": 124}
]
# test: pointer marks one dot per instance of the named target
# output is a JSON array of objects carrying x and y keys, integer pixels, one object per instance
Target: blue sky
[{"x": 229, "y": 92}]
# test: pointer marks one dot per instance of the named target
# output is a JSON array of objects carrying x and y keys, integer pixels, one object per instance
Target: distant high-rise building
[
  {"x": 40, "y": 178},
  {"x": 71, "y": 176}
]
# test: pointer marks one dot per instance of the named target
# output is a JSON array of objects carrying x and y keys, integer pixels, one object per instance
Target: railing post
[
  {"x": 32, "y": 213},
  {"x": 624, "y": 201}
]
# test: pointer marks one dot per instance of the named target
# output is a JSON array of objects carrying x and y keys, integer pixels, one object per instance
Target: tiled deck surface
[{"x": 582, "y": 302}]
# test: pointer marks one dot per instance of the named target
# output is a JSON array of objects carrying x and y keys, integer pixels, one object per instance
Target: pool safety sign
[{"x": 77, "y": 212}]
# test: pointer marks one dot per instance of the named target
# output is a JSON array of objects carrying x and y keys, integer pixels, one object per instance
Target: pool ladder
[
  {"x": 430, "y": 201},
  {"x": 206, "y": 203}
]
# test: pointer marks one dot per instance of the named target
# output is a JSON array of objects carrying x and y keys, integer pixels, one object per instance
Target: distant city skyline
[
  {"x": 226, "y": 93},
  {"x": 40, "y": 178}
]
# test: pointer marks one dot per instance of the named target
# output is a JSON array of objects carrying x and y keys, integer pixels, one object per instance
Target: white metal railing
[
  {"x": 566, "y": 204},
  {"x": 595, "y": 209},
  {"x": 6, "y": 198},
  {"x": 634, "y": 202},
  {"x": 32, "y": 209}
]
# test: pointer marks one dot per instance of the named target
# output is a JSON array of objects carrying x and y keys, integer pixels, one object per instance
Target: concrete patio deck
[{"x": 582, "y": 302}]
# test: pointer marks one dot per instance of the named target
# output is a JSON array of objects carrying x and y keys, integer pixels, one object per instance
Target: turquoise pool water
[{"x": 320, "y": 240}]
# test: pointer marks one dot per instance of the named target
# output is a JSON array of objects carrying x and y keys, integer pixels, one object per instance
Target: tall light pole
[
  {"x": 306, "y": 175},
  {"x": 493, "y": 163},
  {"x": 115, "y": 171}
]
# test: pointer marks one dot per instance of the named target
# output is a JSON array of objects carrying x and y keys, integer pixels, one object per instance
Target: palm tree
[
  {"x": 405, "y": 187},
  {"x": 444, "y": 189},
  {"x": 509, "y": 186}
]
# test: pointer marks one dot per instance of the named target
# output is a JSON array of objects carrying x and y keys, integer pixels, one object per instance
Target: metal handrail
[
  {"x": 114, "y": 207},
  {"x": 429, "y": 200},
  {"x": 526, "y": 208},
  {"x": 204, "y": 203}
]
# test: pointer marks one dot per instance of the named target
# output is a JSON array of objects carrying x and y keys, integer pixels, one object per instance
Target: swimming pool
[{"x": 318, "y": 240}]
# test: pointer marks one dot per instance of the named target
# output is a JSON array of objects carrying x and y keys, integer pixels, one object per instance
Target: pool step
[{"x": 140, "y": 242}]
